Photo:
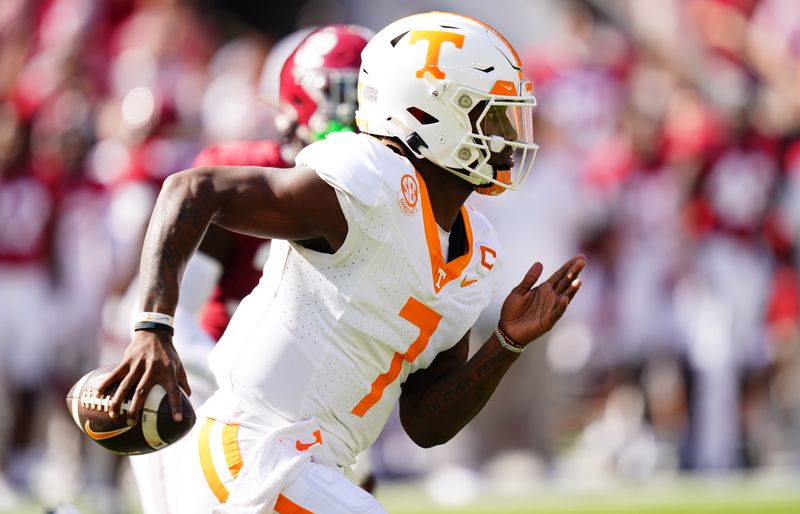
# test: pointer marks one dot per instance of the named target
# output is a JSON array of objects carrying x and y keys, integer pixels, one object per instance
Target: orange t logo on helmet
[{"x": 435, "y": 38}]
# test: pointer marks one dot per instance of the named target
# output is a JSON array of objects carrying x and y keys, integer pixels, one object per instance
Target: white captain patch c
[{"x": 409, "y": 195}]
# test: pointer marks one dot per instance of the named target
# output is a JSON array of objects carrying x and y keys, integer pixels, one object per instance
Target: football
[{"x": 154, "y": 430}]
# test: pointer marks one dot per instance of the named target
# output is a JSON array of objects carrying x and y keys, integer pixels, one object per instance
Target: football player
[
  {"x": 376, "y": 273},
  {"x": 317, "y": 96}
]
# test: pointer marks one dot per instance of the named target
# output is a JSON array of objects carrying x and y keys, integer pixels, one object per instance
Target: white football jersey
[{"x": 331, "y": 337}]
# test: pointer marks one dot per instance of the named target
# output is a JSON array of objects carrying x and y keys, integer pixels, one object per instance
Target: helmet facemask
[
  {"x": 334, "y": 95},
  {"x": 500, "y": 127}
]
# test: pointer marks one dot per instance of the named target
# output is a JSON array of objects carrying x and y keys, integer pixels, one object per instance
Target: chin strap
[
  {"x": 493, "y": 189},
  {"x": 490, "y": 189}
]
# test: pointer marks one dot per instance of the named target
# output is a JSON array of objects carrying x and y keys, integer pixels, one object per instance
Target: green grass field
[
  {"x": 586, "y": 506},
  {"x": 676, "y": 496}
]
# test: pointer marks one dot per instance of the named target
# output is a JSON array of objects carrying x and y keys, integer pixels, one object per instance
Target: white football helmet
[{"x": 451, "y": 88}]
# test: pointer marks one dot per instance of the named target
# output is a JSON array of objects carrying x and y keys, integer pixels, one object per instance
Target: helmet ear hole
[{"x": 422, "y": 116}]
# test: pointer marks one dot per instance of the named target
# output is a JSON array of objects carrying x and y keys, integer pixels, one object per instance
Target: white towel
[{"x": 274, "y": 464}]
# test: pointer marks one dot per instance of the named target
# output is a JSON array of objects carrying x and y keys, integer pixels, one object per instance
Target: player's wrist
[
  {"x": 155, "y": 322},
  {"x": 506, "y": 341}
]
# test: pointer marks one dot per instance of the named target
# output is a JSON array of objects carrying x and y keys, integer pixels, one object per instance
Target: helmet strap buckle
[{"x": 415, "y": 142}]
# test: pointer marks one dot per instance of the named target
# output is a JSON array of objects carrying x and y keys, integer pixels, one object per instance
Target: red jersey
[{"x": 240, "y": 271}]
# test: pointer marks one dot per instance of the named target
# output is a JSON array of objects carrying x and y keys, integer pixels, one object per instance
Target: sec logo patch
[{"x": 409, "y": 195}]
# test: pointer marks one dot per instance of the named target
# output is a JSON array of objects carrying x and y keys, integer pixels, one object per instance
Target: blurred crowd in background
[{"x": 669, "y": 155}]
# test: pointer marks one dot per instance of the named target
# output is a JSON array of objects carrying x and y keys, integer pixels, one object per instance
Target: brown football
[{"x": 154, "y": 429}]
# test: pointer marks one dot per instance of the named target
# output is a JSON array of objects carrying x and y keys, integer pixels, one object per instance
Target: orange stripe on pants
[
  {"x": 233, "y": 457},
  {"x": 230, "y": 445},
  {"x": 286, "y": 506}
]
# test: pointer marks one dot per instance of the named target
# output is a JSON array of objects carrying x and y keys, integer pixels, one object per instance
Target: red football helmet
[{"x": 318, "y": 81}]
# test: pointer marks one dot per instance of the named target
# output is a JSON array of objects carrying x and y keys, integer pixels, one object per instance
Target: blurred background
[{"x": 669, "y": 155}]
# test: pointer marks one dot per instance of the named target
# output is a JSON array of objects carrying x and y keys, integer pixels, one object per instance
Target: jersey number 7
[{"x": 424, "y": 318}]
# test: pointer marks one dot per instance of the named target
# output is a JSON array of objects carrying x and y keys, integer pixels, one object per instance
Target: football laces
[{"x": 91, "y": 399}]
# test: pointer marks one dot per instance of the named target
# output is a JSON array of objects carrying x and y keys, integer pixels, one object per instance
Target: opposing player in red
[
  {"x": 317, "y": 96},
  {"x": 375, "y": 276}
]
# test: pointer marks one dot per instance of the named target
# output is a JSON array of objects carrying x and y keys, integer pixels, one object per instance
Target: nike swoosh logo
[
  {"x": 466, "y": 281},
  {"x": 507, "y": 87},
  {"x": 99, "y": 436}
]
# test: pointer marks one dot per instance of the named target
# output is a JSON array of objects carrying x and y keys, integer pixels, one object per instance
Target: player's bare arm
[
  {"x": 437, "y": 402},
  {"x": 292, "y": 204}
]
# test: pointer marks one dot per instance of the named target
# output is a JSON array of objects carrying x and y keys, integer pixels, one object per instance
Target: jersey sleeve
[{"x": 348, "y": 163}]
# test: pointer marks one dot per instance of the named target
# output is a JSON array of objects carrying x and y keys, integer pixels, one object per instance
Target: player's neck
[{"x": 446, "y": 191}]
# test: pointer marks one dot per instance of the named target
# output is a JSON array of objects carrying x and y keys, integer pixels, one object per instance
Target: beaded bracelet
[{"x": 506, "y": 341}]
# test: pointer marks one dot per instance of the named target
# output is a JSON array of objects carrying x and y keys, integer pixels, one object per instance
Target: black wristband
[{"x": 152, "y": 325}]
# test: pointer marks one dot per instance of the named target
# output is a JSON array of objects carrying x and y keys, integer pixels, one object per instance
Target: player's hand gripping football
[
  {"x": 149, "y": 359},
  {"x": 529, "y": 312}
]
